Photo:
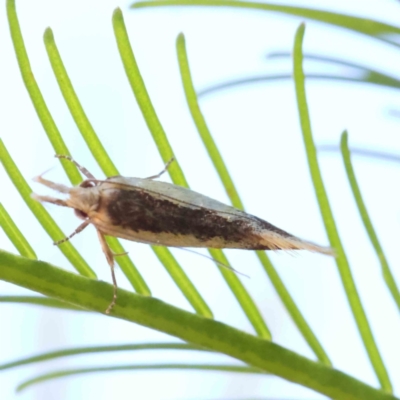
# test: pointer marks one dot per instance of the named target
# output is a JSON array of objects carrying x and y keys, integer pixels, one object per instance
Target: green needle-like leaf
[
  {"x": 293, "y": 310},
  {"x": 143, "y": 99},
  {"x": 182, "y": 281},
  {"x": 177, "y": 176},
  {"x": 97, "y": 149},
  {"x": 330, "y": 226},
  {"x": 77, "y": 112},
  {"x": 242, "y": 296},
  {"x": 35, "y": 94},
  {"x": 201, "y": 124},
  {"x": 42, "y": 215},
  {"x": 150, "y": 312},
  {"x": 15, "y": 235},
  {"x": 99, "y": 349},
  {"x": 144, "y": 367},
  {"x": 375, "y": 29},
  {"x": 362, "y": 209},
  {"x": 233, "y": 194}
]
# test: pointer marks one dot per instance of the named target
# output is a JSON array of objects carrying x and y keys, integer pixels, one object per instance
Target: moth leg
[
  {"x": 49, "y": 199},
  {"x": 82, "y": 169},
  {"x": 110, "y": 259},
  {"x": 52, "y": 185},
  {"x": 163, "y": 171},
  {"x": 79, "y": 229}
]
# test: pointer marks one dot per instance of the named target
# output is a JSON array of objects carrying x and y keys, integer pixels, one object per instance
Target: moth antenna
[
  {"x": 79, "y": 229},
  {"x": 110, "y": 259},
  {"x": 82, "y": 169},
  {"x": 163, "y": 171},
  {"x": 221, "y": 264}
]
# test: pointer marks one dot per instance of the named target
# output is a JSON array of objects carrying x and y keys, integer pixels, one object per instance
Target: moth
[{"x": 161, "y": 213}]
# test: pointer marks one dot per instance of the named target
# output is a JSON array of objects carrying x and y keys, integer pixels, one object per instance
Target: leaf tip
[
  {"x": 48, "y": 35},
  {"x": 300, "y": 31},
  {"x": 344, "y": 140},
  {"x": 117, "y": 14}
]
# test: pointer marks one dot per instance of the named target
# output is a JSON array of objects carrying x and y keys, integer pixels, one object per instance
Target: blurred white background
[{"x": 257, "y": 130}]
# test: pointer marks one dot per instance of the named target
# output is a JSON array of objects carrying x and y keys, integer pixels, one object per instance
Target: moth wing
[
  {"x": 271, "y": 237},
  {"x": 177, "y": 194}
]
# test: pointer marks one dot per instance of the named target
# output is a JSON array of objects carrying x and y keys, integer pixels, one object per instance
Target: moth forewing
[
  {"x": 154, "y": 212},
  {"x": 170, "y": 215}
]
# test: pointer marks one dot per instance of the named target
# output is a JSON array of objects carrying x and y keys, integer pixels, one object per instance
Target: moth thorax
[{"x": 84, "y": 200}]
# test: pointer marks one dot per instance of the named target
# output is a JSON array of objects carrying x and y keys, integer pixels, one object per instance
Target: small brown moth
[{"x": 160, "y": 213}]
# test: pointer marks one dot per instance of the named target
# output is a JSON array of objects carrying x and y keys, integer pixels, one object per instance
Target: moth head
[{"x": 84, "y": 198}]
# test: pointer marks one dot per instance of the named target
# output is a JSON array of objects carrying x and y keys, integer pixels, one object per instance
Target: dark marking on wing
[{"x": 139, "y": 210}]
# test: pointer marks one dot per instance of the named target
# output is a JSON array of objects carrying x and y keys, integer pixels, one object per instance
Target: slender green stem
[
  {"x": 362, "y": 209},
  {"x": 15, "y": 235},
  {"x": 153, "y": 313},
  {"x": 330, "y": 226},
  {"x": 142, "y": 97},
  {"x": 294, "y": 311},
  {"x": 242, "y": 296},
  {"x": 176, "y": 173},
  {"x": 182, "y": 281},
  {"x": 35, "y": 94},
  {"x": 99, "y": 349},
  {"x": 201, "y": 124},
  {"x": 96, "y": 148},
  {"x": 42, "y": 215},
  {"x": 233, "y": 194},
  {"x": 144, "y": 367},
  {"x": 370, "y": 27}
]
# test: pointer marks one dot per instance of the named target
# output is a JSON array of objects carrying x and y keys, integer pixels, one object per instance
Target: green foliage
[{"x": 199, "y": 330}]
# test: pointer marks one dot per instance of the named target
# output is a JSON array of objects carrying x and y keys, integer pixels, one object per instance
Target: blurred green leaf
[
  {"x": 39, "y": 301},
  {"x": 372, "y": 28},
  {"x": 99, "y": 349},
  {"x": 145, "y": 367}
]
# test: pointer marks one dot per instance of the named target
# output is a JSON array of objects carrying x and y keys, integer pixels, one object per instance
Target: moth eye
[
  {"x": 87, "y": 184},
  {"x": 80, "y": 214}
]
